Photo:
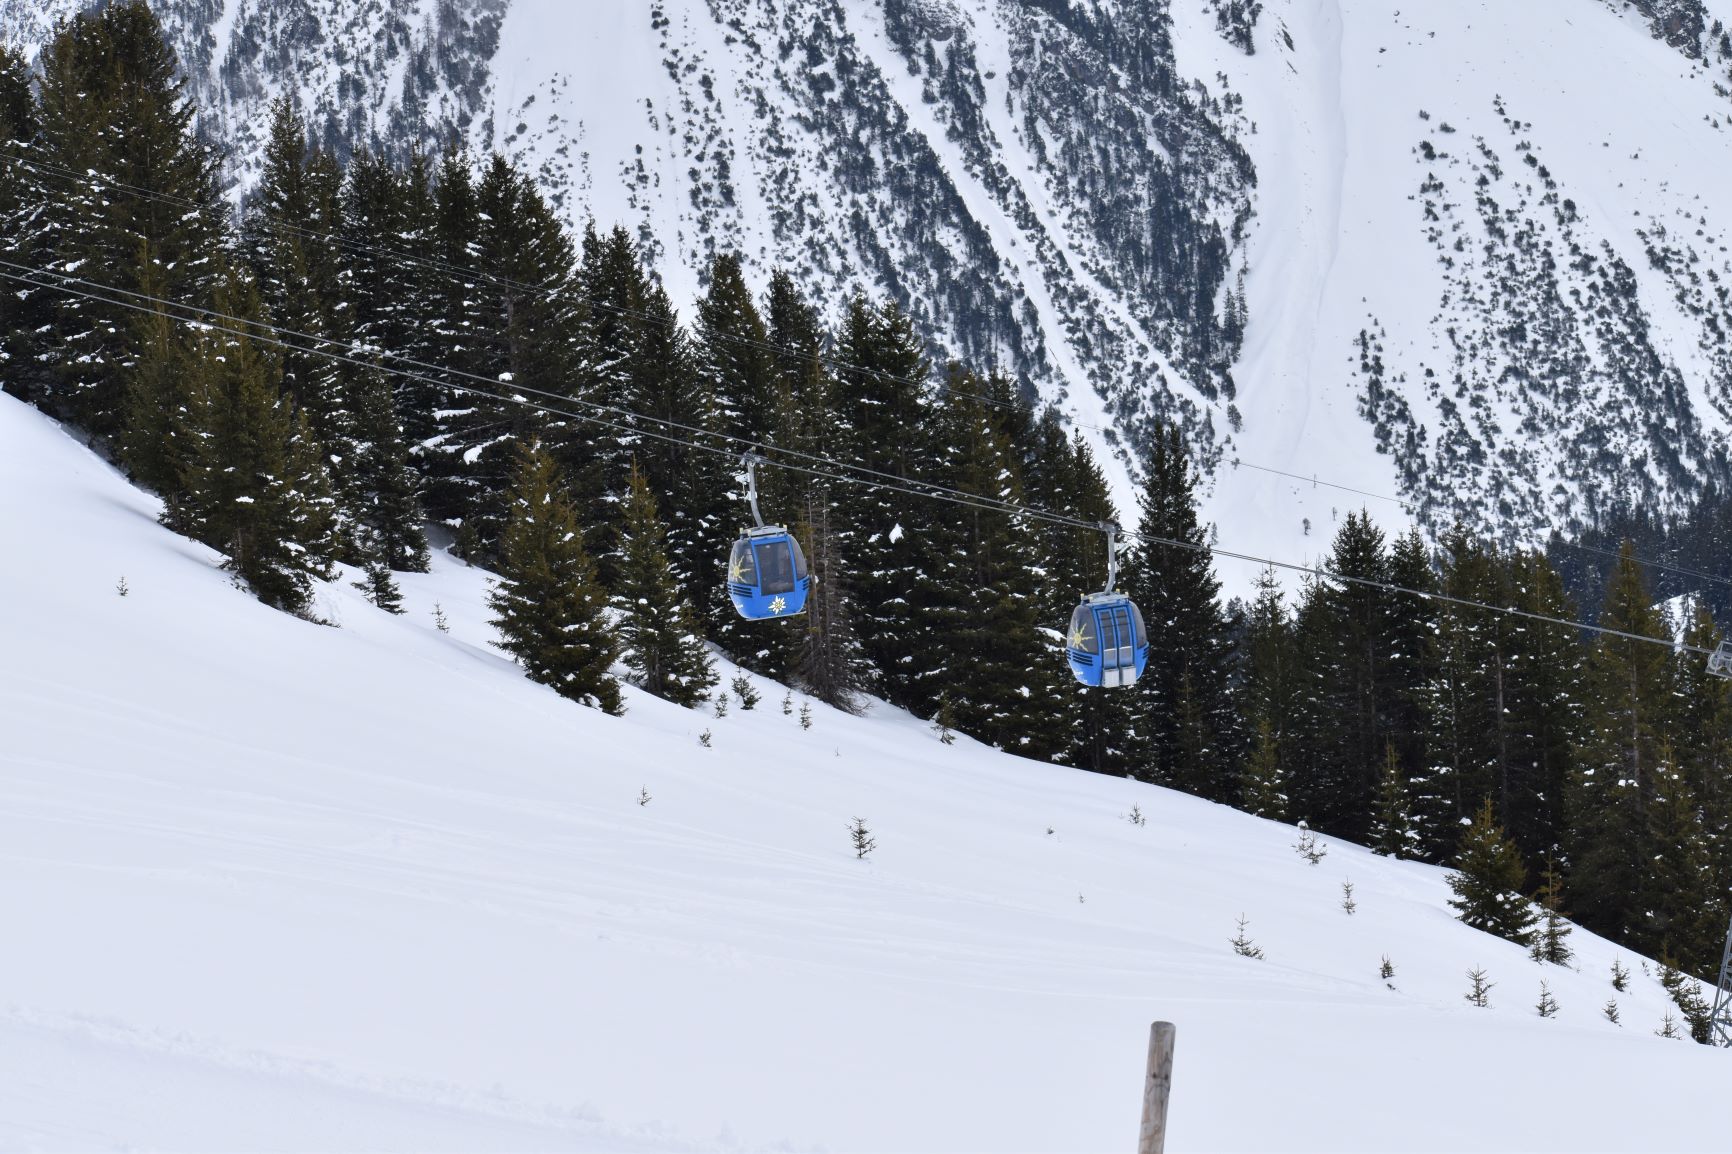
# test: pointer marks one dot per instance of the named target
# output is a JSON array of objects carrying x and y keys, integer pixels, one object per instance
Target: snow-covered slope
[
  {"x": 271, "y": 885},
  {"x": 1490, "y": 244},
  {"x": 1465, "y": 258}
]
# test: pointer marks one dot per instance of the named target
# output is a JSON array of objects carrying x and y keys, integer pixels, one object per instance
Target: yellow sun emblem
[
  {"x": 778, "y": 605},
  {"x": 1076, "y": 639},
  {"x": 737, "y": 571}
]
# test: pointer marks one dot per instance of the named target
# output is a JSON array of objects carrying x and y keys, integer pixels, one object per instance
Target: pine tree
[
  {"x": 1185, "y": 721},
  {"x": 657, "y": 626},
  {"x": 1479, "y": 990},
  {"x": 864, "y": 842},
  {"x": 252, "y": 482},
  {"x": 749, "y": 390},
  {"x": 1242, "y": 943},
  {"x": 1629, "y": 690},
  {"x": 153, "y": 441},
  {"x": 386, "y": 514},
  {"x": 694, "y": 488},
  {"x": 1683, "y": 914},
  {"x": 1268, "y": 689},
  {"x": 386, "y": 216},
  {"x": 826, "y": 656},
  {"x": 611, "y": 293},
  {"x": 454, "y": 304},
  {"x": 1393, "y": 833},
  {"x": 735, "y": 356},
  {"x": 1544, "y": 704},
  {"x": 1063, "y": 476},
  {"x": 295, "y": 264},
  {"x": 1686, "y": 994},
  {"x": 1489, "y": 881},
  {"x": 1703, "y": 745},
  {"x": 381, "y": 589},
  {"x": 112, "y": 108},
  {"x": 884, "y": 425},
  {"x": 1548, "y": 945},
  {"x": 830, "y": 664},
  {"x": 1261, "y": 782},
  {"x": 980, "y": 640},
  {"x": 1343, "y": 638},
  {"x": 549, "y": 606},
  {"x": 24, "y": 312},
  {"x": 527, "y": 334},
  {"x": 1548, "y": 1005},
  {"x": 1412, "y": 654},
  {"x": 1463, "y": 713}
]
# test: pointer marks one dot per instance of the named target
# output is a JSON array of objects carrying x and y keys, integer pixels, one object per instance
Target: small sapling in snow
[
  {"x": 1610, "y": 1010},
  {"x": 788, "y": 703},
  {"x": 1686, "y": 994},
  {"x": 1548, "y": 1005},
  {"x": 643, "y": 796},
  {"x": 1620, "y": 977},
  {"x": 121, "y": 586},
  {"x": 1548, "y": 944},
  {"x": 1668, "y": 1027},
  {"x": 1242, "y": 943},
  {"x": 1308, "y": 847},
  {"x": 1136, "y": 816},
  {"x": 1347, "y": 902},
  {"x": 864, "y": 842},
  {"x": 944, "y": 719},
  {"x": 742, "y": 686},
  {"x": 806, "y": 716},
  {"x": 721, "y": 703},
  {"x": 381, "y": 589},
  {"x": 1479, "y": 991},
  {"x": 704, "y": 739},
  {"x": 439, "y": 621},
  {"x": 1387, "y": 969}
]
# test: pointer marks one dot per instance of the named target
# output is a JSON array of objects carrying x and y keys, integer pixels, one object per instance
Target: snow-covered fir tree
[
  {"x": 1489, "y": 880},
  {"x": 659, "y": 632},
  {"x": 549, "y": 606}
]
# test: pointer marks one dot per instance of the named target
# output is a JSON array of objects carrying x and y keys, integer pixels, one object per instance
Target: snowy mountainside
[
  {"x": 1464, "y": 258},
  {"x": 272, "y": 885},
  {"x": 1467, "y": 275}
]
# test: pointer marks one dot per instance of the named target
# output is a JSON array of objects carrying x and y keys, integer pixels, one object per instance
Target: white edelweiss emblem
[{"x": 778, "y": 605}]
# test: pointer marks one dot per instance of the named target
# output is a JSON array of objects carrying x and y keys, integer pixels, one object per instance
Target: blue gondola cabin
[
  {"x": 1107, "y": 644},
  {"x": 767, "y": 576}
]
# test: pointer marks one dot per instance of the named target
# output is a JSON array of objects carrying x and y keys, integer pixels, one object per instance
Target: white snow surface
[{"x": 269, "y": 885}]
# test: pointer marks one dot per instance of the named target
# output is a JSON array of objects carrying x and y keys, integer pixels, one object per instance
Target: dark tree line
[{"x": 396, "y": 345}]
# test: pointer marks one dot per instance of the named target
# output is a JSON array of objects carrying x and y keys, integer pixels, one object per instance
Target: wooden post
[{"x": 1155, "y": 1089}]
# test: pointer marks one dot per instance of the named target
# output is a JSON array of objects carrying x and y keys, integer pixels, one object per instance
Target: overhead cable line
[
  {"x": 255, "y": 330},
  {"x": 469, "y": 271},
  {"x": 1407, "y": 507},
  {"x": 145, "y": 302},
  {"x": 829, "y": 359},
  {"x": 577, "y": 290}
]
